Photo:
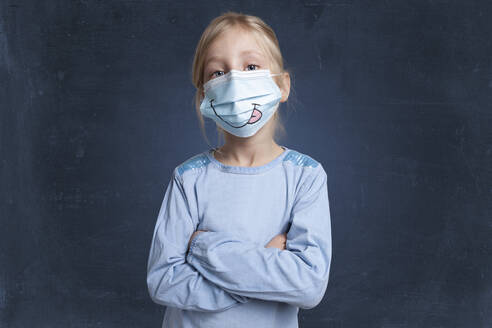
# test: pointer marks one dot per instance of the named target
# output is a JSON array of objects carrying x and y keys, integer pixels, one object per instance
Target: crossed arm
[{"x": 219, "y": 270}]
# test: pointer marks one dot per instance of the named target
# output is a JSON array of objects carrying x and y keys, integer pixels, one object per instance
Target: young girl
[{"x": 243, "y": 235}]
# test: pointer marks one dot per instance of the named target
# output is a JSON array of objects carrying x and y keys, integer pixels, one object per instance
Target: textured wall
[{"x": 393, "y": 97}]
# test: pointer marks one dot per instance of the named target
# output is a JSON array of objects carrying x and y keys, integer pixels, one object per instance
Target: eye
[
  {"x": 213, "y": 74},
  {"x": 252, "y": 65}
]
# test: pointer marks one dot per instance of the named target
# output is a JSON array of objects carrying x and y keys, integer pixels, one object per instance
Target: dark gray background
[{"x": 393, "y": 97}]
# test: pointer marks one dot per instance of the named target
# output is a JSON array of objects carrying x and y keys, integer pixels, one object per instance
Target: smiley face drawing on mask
[
  {"x": 255, "y": 115},
  {"x": 241, "y": 102}
]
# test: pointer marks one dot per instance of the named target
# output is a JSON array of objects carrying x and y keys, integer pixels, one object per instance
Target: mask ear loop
[{"x": 275, "y": 74}]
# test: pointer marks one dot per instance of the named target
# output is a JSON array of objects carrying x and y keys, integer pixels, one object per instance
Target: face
[{"x": 238, "y": 49}]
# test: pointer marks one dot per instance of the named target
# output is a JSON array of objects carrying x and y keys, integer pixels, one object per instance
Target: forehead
[{"x": 235, "y": 41}]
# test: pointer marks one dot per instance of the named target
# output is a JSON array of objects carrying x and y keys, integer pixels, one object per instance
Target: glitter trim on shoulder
[
  {"x": 193, "y": 163},
  {"x": 301, "y": 159}
]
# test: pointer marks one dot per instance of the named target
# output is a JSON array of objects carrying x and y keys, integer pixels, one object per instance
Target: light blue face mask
[{"x": 241, "y": 102}]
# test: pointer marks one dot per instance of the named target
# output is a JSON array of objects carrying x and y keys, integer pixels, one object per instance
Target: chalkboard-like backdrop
[{"x": 393, "y": 97}]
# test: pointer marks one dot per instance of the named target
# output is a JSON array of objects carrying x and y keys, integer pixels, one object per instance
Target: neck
[{"x": 253, "y": 151}]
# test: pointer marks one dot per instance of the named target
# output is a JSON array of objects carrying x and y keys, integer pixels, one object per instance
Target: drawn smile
[{"x": 255, "y": 115}]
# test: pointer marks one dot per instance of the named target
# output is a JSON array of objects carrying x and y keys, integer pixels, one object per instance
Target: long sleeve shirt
[{"x": 228, "y": 278}]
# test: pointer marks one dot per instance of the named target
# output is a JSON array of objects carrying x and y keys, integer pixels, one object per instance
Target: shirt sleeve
[
  {"x": 297, "y": 275},
  {"x": 171, "y": 281}
]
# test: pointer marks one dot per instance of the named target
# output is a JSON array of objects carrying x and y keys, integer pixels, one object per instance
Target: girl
[{"x": 243, "y": 235}]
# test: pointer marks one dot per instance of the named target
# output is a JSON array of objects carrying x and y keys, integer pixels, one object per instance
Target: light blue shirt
[{"x": 228, "y": 278}]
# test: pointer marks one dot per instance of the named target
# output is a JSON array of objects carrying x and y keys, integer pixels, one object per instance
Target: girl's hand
[
  {"x": 193, "y": 235},
  {"x": 278, "y": 241}
]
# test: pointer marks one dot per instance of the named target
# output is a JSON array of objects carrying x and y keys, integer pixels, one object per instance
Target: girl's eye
[
  {"x": 213, "y": 74},
  {"x": 252, "y": 65}
]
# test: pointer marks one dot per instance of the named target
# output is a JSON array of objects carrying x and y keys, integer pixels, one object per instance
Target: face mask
[{"x": 241, "y": 102}]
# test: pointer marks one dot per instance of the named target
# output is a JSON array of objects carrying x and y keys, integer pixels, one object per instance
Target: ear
[{"x": 286, "y": 86}]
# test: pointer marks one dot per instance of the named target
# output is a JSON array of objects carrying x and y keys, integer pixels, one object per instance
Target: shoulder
[
  {"x": 308, "y": 173},
  {"x": 304, "y": 163},
  {"x": 301, "y": 160},
  {"x": 305, "y": 168},
  {"x": 192, "y": 164}
]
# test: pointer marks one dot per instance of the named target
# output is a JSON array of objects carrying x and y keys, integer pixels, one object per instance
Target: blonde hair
[{"x": 266, "y": 38}]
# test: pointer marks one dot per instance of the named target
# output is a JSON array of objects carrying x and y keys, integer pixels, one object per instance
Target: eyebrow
[{"x": 245, "y": 52}]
